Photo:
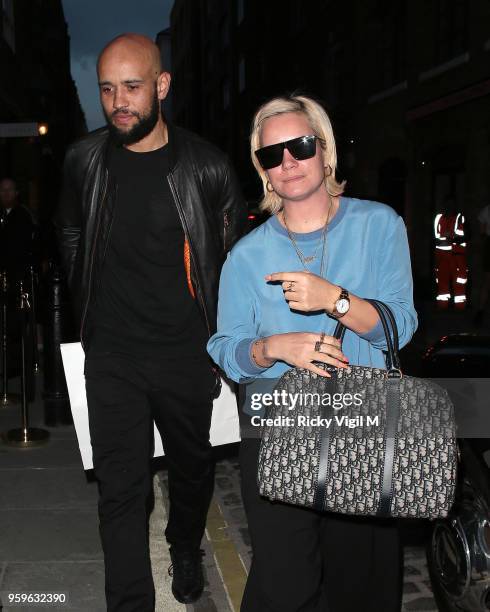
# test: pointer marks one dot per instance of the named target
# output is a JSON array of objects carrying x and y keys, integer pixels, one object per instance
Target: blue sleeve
[
  {"x": 230, "y": 346},
  {"x": 395, "y": 286}
]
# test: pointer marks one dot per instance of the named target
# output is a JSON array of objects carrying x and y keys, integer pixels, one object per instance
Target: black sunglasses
[{"x": 300, "y": 148}]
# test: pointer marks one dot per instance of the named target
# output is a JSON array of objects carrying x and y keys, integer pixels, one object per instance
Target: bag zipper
[{"x": 225, "y": 225}]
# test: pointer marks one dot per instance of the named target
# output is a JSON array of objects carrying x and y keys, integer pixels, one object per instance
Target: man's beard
[{"x": 142, "y": 128}]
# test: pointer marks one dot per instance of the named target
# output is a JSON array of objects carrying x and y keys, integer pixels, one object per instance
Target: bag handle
[
  {"x": 389, "y": 325},
  {"x": 391, "y": 318}
]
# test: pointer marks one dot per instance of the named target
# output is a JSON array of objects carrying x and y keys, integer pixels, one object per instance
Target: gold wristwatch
[{"x": 341, "y": 305}]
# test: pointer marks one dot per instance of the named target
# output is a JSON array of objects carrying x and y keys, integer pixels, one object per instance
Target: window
[
  {"x": 452, "y": 29},
  {"x": 225, "y": 32},
  {"x": 240, "y": 11},
  {"x": 241, "y": 75},
  {"x": 297, "y": 15},
  {"x": 8, "y": 32},
  {"x": 342, "y": 86},
  {"x": 225, "y": 90},
  {"x": 210, "y": 108},
  {"x": 391, "y": 49},
  {"x": 209, "y": 58}
]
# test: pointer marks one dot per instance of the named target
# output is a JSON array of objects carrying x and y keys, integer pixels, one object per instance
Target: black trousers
[
  {"x": 305, "y": 561},
  {"x": 124, "y": 395}
]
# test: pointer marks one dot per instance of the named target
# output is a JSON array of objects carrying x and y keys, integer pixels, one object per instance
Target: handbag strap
[
  {"x": 392, "y": 403},
  {"x": 390, "y": 330},
  {"x": 394, "y": 330},
  {"x": 391, "y": 333}
]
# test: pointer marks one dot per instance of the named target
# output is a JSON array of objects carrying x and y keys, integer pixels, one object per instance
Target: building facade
[
  {"x": 407, "y": 85},
  {"x": 37, "y": 87}
]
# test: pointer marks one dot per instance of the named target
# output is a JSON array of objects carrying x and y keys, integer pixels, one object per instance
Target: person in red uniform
[{"x": 450, "y": 257}]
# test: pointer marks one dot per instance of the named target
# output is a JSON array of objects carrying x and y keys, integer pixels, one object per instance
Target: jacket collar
[{"x": 173, "y": 145}]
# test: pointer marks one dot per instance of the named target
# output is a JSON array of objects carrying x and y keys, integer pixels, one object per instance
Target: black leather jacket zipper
[
  {"x": 91, "y": 264},
  {"x": 225, "y": 225},
  {"x": 186, "y": 232}
]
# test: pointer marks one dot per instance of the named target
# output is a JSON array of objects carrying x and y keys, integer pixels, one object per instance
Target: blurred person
[
  {"x": 484, "y": 221},
  {"x": 147, "y": 214},
  {"x": 16, "y": 233},
  {"x": 450, "y": 257},
  {"x": 282, "y": 289},
  {"x": 17, "y": 251}
]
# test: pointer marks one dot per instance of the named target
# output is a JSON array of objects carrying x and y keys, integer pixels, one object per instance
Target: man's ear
[{"x": 163, "y": 85}]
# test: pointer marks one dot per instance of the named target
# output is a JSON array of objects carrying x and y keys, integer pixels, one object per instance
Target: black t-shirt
[{"x": 143, "y": 302}]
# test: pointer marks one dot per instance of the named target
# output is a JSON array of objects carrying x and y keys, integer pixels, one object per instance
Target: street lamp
[{"x": 23, "y": 130}]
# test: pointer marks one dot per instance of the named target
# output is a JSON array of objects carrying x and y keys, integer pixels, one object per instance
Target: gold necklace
[{"x": 323, "y": 239}]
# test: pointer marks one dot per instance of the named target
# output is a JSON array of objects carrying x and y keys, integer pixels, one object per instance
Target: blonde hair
[{"x": 321, "y": 127}]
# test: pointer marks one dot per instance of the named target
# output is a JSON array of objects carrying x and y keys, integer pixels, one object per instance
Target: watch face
[{"x": 342, "y": 305}]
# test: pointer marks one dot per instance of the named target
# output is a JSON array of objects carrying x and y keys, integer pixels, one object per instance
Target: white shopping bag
[{"x": 225, "y": 427}]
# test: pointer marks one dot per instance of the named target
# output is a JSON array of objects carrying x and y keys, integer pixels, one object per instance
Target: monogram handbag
[{"x": 385, "y": 446}]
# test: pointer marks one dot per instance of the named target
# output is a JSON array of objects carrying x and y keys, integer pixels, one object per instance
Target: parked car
[
  {"x": 458, "y": 355},
  {"x": 458, "y": 553}
]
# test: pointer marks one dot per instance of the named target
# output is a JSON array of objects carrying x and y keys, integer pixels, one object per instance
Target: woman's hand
[
  {"x": 305, "y": 291},
  {"x": 298, "y": 349}
]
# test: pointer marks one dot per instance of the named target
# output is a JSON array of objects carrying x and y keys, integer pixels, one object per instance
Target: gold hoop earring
[
  {"x": 329, "y": 170},
  {"x": 269, "y": 187}
]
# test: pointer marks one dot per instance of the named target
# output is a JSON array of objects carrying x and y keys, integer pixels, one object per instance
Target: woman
[{"x": 319, "y": 254}]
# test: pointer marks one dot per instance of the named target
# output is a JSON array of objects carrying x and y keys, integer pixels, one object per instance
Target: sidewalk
[
  {"x": 50, "y": 540},
  {"x": 48, "y": 515},
  {"x": 49, "y": 529}
]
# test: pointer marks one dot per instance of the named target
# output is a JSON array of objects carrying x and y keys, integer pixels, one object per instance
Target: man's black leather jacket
[{"x": 207, "y": 196}]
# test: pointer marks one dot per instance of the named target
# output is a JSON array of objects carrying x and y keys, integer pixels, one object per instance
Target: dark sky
[{"x": 91, "y": 24}]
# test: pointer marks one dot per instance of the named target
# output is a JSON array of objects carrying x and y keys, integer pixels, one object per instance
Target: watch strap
[{"x": 344, "y": 295}]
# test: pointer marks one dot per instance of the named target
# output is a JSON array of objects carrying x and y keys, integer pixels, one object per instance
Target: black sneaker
[{"x": 186, "y": 570}]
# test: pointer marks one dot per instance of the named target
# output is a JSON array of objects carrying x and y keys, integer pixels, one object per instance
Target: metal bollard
[
  {"x": 33, "y": 286},
  {"x": 58, "y": 328},
  {"x": 25, "y": 436},
  {"x": 7, "y": 398}
]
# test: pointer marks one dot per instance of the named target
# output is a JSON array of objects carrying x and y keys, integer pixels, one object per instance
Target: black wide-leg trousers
[
  {"x": 305, "y": 561},
  {"x": 124, "y": 395}
]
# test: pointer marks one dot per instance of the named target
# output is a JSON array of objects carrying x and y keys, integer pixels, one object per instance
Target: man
[
  {"x": 16, "y": 233},
  {"x": 148, "y": 212}
]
